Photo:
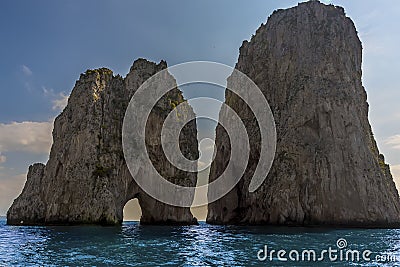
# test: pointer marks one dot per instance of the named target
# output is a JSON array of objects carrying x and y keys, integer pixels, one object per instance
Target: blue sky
[{"x": 46, "y": 44}]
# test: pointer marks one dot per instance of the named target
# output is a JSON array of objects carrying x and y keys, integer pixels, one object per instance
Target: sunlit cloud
[
  {"x": 395, "y": 169},
  {"x": 393, "y": 141},
  {"x": 28, "y": 136},
  {"x": 61, "y": 102},
  {"x": 10, "y": 187}
]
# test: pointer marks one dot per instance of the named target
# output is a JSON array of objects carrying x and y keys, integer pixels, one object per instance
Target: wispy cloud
[
  {"x": 26, "y": 70},
  {"x": 393, "y": 141},
  {"x": 47, "y": 92},
  {"x": 28, "y": 136},
  {"x": 27, "y": 77},
  {"x": 61, "y": 102},
  {"x": 58, "y": 100}
]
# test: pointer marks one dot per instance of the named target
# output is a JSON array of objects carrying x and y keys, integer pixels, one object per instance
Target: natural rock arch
[{"x": 86, "y": 179}]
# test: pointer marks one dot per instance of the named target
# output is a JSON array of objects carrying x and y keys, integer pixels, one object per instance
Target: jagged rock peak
[
  {"x": 314, "y": 5},
  {"x": 142, "y": 63}
]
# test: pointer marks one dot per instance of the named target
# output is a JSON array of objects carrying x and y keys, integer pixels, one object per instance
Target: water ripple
[{"x": 201, "y": 245}]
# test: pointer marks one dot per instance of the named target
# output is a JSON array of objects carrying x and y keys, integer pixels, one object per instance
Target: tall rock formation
[
  {"x": 327, "y": 168},
  {"x": 86, "y": 179}
]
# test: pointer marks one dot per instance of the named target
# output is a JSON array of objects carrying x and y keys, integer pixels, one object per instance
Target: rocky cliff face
[
  {"x": 327, "y": 168},
  {"x": 86, "y": 179}
]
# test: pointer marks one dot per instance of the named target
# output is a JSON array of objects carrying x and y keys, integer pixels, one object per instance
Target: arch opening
[{"x": 132, "y": 210}]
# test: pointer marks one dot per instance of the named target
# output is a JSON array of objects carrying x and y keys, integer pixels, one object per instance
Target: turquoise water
[{"x": 202, "y": 245}]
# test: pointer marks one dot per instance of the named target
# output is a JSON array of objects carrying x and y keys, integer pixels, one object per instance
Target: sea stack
[
  {"x": 327, "y": 169},
  {"x": 86, "y": 180}
]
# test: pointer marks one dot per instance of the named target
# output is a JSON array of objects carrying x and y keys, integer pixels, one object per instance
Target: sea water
[{"x": 133, "y": 244}]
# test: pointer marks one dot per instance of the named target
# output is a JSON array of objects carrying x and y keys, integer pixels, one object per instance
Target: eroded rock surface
[
  {"x": 327, "y": 168},
  {"x": 86, "y": 179}
]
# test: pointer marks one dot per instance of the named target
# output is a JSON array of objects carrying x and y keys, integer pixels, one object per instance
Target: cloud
[
  {"x": 28, "y": 136},
  {"x": 2, "y": 158},
  {"x": 206, "y": 149},
  {"x": 10, "y": 187},
  {"x": 27, "y": 78},
  {"x": 395, "y": 169},
  {"x": 26, "y": 70},
  {"x": 209, "y": 147},
  {"x": 47, "y": 92},
  {"x": 393, "y": 141},
  {"x": 59, "y": 100}
]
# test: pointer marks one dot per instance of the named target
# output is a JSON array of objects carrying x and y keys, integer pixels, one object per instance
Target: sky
[{"x": 46, "y": 44}]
